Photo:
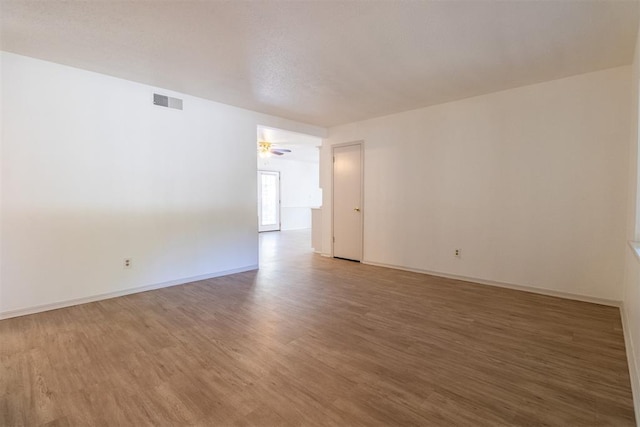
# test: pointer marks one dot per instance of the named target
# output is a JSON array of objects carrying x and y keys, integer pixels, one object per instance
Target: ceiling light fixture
[{"x": 264, "y": 149}]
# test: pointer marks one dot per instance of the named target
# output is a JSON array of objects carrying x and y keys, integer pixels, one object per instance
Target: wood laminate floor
[{"x": 314, "y": 341}]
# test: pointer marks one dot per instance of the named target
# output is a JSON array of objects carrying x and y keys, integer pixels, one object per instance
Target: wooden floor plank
[{"x": 308, "y": 340}]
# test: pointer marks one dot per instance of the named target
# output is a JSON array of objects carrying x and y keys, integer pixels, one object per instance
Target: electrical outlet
[
  {"x": 127, "y": 263},
  {"x": 457, "y": 253}
]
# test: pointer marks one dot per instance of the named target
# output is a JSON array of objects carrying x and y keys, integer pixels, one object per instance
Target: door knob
[{"x": 356, "y": 209}]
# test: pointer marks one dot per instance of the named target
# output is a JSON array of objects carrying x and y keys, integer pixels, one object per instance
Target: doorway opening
[
  {"x": 288, "y": 165},
  {"x": 268, "y": 201}
]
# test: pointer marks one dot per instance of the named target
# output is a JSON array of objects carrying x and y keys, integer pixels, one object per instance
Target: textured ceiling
[{"x": 325, "y": 62}]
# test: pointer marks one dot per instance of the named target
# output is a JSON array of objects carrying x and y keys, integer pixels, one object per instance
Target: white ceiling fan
[{"x": 266, "y": 149}]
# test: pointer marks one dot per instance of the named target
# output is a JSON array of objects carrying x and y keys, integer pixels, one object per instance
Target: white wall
[
  {"x": 299, "y": 188},
  {"x": 93, "y": 173},
  {"x": 530, "y": 183},
  {"x": 631, "y": 296},
  {"x": 1, "y": 167}
]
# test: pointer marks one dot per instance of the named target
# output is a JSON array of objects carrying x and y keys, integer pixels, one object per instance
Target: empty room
[{"x": 347, "y": 212}]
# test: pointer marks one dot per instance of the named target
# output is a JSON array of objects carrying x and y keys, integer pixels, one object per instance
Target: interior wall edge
[
  {"x": 138, "y": 289},
  {"x": 631, "y": 361}
]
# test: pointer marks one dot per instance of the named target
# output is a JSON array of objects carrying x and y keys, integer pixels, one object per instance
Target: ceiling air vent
[{"x": 167, "y": 101}]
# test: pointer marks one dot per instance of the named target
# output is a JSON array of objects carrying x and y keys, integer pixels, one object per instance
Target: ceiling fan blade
[
  {"x": 282, "y": 150},
  {"x": 277, "y": 153}
]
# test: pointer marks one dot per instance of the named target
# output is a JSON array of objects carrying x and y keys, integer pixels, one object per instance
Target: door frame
[
  {"x": 362, "y": 210},
  {"x": 259, "y": 201}
]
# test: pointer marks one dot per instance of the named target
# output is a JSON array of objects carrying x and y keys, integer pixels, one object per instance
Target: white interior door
[
  {"x": 347, "y": 202},
  {"x": 268, "y": 201}
]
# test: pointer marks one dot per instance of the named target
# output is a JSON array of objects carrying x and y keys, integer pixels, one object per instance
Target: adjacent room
[
  {"x": 319, "y": 213},
  {"x": 288, "y": 179}
]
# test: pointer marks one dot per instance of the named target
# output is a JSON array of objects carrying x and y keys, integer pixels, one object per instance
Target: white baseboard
[
  {"x": 542, "y": 291},
  {"x": 631, "y": 361},
  {"x": 108, "y": 295}
]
